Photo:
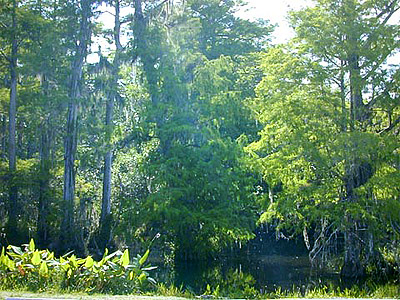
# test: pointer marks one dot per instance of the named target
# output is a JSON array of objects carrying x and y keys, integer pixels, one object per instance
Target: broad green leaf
[
  {"x": 124, "y": 260},
  {"x": 43, "y": 270},
  {"x": 9, "y": 263},
  {"x": 32, "y": 245},
  {"x": 36, "y": 258},
  {"x": 142, "y": 277},
  {"x": 104, "y": 259},
  {"x": 73, "y": 261},
  {"x": 2, "y": 257},
  {"x": 143, "y": 259},
  {"x": 89, "y": 262},
  {"x": 64, "y": 264}
]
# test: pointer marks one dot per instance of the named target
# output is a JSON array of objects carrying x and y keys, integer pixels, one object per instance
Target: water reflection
[{"x": 263, "y": 273}]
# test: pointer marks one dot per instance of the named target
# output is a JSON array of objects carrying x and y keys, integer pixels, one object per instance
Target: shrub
[{"x": 37, "y": 270}]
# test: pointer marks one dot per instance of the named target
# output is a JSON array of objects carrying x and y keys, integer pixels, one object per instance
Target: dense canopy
[{"x": 185, "y": 121}]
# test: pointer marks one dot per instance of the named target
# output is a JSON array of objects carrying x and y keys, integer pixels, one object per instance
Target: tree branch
[
  {"x": 391, "y": 126},
  {"x": 3, "y": 25},
  {"x": 375, "y": 66},
  {"x": 5, "y": 56},
  {"x": 390, "y": 10},
  {"x": 109, "y": 12},
  {"x": 156, "y": 7},
  {"x": 371, "y": 103}
]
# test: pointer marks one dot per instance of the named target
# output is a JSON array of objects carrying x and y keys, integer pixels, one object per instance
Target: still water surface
[{"x": 265, "y": 272}]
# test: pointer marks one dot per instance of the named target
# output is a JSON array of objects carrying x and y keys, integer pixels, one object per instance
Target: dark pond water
[
  {"x": 265, "y": 264},
  {"x": 266, "y": 273}
]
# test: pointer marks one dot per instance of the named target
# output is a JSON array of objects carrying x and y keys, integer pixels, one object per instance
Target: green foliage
[
  {"x": 324, "y": 146},
  {"x": 39, "y": 270},
  {"x": 297, "y": 145},
  {"x": 222, "y": 33},
  {"x": 190, "y": 94},
  {"x": 172, "y": 290},
  {"x": 366, "y": 290},
  {"x": 193, "y": 188},
  {"x": 201, "y": 202},
  {"x": 236, "y": 285}
]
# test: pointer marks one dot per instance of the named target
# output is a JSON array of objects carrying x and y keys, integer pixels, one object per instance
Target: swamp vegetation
[{"x": 180, "y": 127}]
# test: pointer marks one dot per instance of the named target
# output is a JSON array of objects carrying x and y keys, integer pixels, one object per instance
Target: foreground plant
[{"x": 37, "y": 270}]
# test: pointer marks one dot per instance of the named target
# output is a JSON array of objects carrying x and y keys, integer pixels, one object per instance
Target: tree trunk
[
  {"x": 357, "y": 172},
  {"x": 3, "y": 137},
  {"x": 357, "y": 107},
  {"x": 13, "y": 205},
  {"x": 106, "y": 217},
  {"x": 343, "y": 97},
  {"x": 43, "y": 209},
  {"x": 352, "y": 266},
  {"x": 67, "y": 238}
]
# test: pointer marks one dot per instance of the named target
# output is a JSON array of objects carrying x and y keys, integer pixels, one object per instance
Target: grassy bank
[
  {"x": 174, "y": 293},
  {"x": 81, "y": 296}
]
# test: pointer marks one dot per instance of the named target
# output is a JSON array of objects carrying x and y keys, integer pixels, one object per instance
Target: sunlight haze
[{"x": 276, "y": 12}]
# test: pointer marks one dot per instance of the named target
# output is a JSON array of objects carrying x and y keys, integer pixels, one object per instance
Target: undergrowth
[{"x": 31, "y": 269}]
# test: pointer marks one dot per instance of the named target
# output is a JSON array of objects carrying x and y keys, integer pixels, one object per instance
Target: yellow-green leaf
[
  {"x": 43, "y": 270},
  {"x": 36, "y": 258},
  {"x": 124, "y": 260},
  {"x": 144, "y": 257},
  {"x": 32, "y": 245},
  {"x": 9, "y": 263},
  {"x": 142, "y": 277},
  {"x": 89, "y": 262}
]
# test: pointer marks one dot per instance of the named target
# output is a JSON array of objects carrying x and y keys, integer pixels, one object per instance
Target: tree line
[{"x": 195, "y": 127}]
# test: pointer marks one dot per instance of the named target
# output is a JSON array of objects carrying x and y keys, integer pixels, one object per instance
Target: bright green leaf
[
  {"x": 142, "y": 277},
  {"x": 124, "y": 260},
  {"x": 144, "y": 257},
  {"x": 89, "y": 262},
  {"x": 36, "y": 258},
  {"x": 43, "y": 270},
  {"x": 32, "y": 245}
]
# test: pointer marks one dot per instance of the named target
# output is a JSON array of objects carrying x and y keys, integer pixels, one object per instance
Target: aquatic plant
[{"x": 39, "y": 270}]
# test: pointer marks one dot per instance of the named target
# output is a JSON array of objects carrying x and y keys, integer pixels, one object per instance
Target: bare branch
[{"x": 109, "y": 12}]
